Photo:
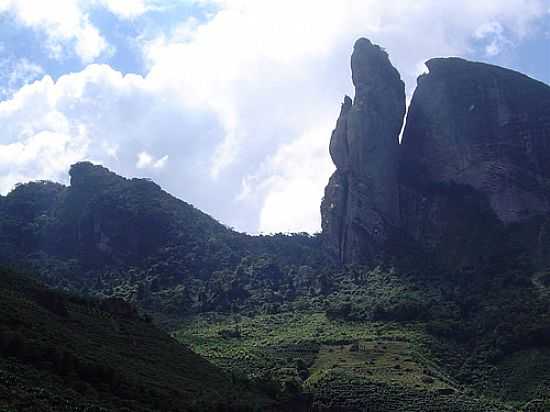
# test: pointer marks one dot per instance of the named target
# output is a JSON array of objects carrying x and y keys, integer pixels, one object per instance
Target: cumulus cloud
[
  {"x": 122, "y": 121},
  {"x": 297, "y": 171},
  {"x": 274, "y": 72},
  {"x": 43, "y": 130},
  {"x": 66, "y": 23},
  {"x": 244, "y": 102},
  {"x": 44, "y": 151}
]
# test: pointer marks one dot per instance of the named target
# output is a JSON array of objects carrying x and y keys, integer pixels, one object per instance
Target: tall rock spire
[
  {"x": 469, "y": 182},
  {"x": 361, "y": 204}
]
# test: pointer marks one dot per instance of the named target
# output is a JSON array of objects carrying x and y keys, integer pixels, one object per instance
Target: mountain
[
  {"x": 427, "y": 290},
  {"x": 106, "y": 235},
  {"x": 483, "y": 126},
  {"x": 63, "y": 353},
  {"x": 469, "y": 181},
  {"x": 103, "y": 219},
  {"x": 459, "y": 208}
]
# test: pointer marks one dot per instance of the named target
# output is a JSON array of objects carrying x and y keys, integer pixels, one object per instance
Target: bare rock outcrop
[
  {"x": 469, "y": 181},
  {"x": 482, "y": 126},
  {"x": 360, "y": 209}
]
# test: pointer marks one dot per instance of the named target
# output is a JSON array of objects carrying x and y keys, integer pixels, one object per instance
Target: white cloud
[
  {"x": 15, "y": 73},
  {"x": 160, "y": 163},
  {"x": 45, "y": 154},
  {"x": 493, "y": 33},
  {"x": 24, "y": 70},
  {"x": 64, "y": 23},
  {"x": 298, "y": 171},
  {"x": 126, "y": 9},
  {"x": 111, "y": 149},
  {"x": 145, "y": 160},
  {"x": 67, "y": 25},
  {"x": 273, "y": 71},
  {"x": 49, "y": 125},
  {"x": 243, "y": 103},
  {"x": 101, "y": 115}
]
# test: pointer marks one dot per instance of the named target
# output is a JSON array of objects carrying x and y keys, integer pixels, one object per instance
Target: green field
[{"x": 338, "y": 364}]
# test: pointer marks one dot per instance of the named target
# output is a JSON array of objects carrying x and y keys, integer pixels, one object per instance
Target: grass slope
[
  {"x": 61, "y": 353},
  {"x": 342, "y": 365},
  {"x": 383, "y": 341}
]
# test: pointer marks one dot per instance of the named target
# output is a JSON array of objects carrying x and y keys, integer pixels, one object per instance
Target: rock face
[
  {"x": 474, "y": 159},
  {"x": 361, "y": 204},
  {"x": 482, "y": 126}
]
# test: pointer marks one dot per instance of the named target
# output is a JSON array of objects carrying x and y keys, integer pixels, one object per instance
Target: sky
[{"x": 227, "y": 104}]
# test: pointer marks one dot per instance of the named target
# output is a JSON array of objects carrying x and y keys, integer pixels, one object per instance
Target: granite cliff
[
  {"x": 361, "y": 206},
  {"x": 482, "y": 126},
  {"x": 473, "y": 165}
]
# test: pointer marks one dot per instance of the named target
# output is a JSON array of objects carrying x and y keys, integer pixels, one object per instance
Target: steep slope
[
  {"x": 474, "y": 173},
  {"x": 471, "y": 238},
  {"x": 105, "y": 235},
  {"x": 360, "y": 209},
  {"x": 386, "y": 340},
  {"x": 469, "y": 182},
  {"x": 103, "y": 218},
  {"x": 482, "y": 126},
  {"x": 62, "y": 353}
]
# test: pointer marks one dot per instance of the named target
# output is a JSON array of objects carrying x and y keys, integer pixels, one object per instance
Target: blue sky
[
  {"x": 228, "y": 104},
  {"x": 124, "y": 37}
]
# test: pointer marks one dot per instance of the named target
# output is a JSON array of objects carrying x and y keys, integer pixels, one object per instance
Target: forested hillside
[{"x": 60, "y": 352}]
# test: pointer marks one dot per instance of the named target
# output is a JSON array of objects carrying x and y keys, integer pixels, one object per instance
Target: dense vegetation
[
  {"x": 109, "y": 236},
  {"x": 278, "y": 319},
  {"x": 64, "y": 353},
  {"x": 391, "y": 340}
]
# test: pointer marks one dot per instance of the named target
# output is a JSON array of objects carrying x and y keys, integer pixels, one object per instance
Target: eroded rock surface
[
  {"x": 483, "y": 126},
  {"x": 474, "y": 163},
  {"x": 361, "y": 205}
]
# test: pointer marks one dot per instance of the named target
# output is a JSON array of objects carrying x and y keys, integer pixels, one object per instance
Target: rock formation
[
  {"x": 475, "y": 158},
  {"x": 482, "y": 126},
  {"x": 361, "y": 204}
]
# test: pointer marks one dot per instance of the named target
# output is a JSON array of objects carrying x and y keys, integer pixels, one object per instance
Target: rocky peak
[
  {"x": 361, "y": 204},
  {"x": 475, "y": 157},
  {"x": 86, "y": 175},
  {"x": 375, "y": 79}
]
